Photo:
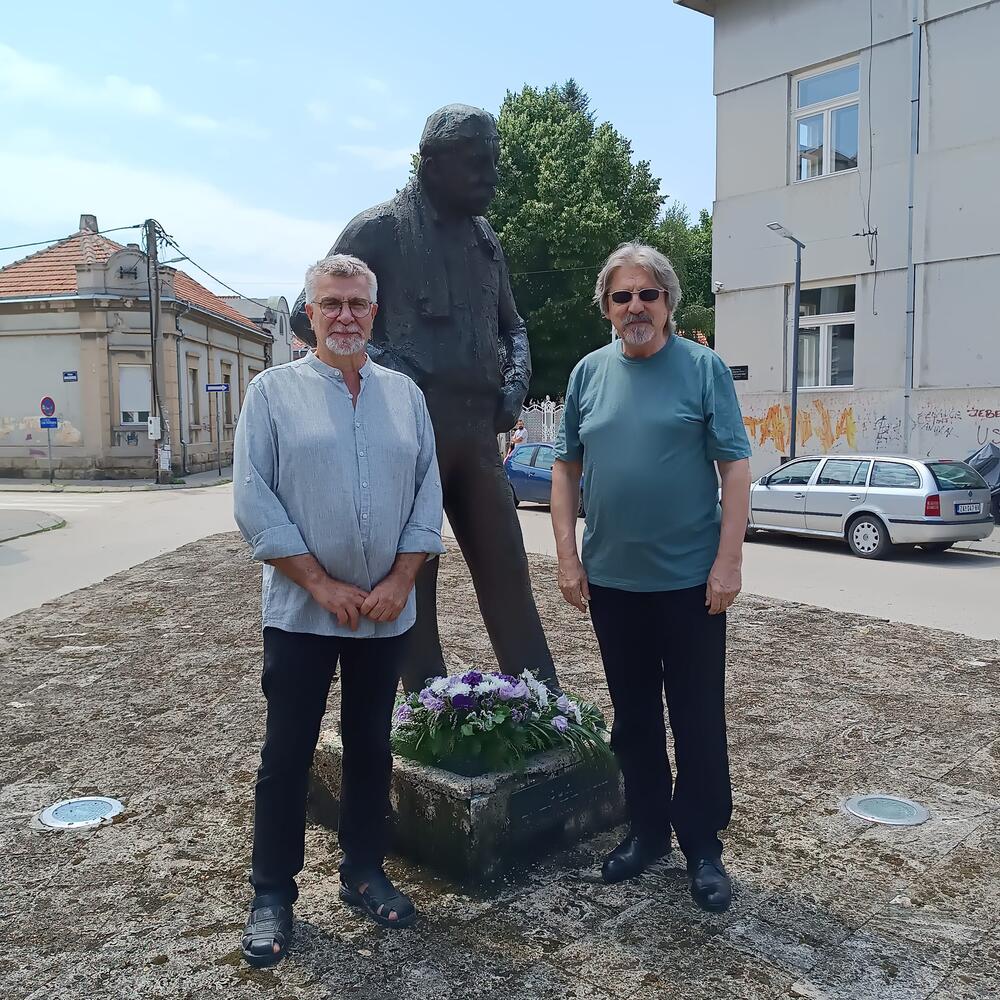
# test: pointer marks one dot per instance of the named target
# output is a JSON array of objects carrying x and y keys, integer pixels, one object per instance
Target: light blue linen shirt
[{"x": 354, "y": 486}]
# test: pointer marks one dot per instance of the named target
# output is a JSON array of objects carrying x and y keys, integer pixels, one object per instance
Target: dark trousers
[
  {"x": 298, "y": 670},
  {"x": 666, "y": 642},
  {"x": 480, "y": 509}
]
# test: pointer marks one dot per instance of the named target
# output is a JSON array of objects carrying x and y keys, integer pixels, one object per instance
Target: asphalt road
[{"x": 109, "y": 532}]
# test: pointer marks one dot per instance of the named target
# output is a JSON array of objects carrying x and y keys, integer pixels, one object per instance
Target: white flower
[
  {"x": 456, "y": 686},
  {"x": 489, "y": 684},
  {"x": 439, "y": 685}
]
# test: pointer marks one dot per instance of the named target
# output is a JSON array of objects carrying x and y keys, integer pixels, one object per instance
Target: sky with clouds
[{"x": 253, "y": 133}]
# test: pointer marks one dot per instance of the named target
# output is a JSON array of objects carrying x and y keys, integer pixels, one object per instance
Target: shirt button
[
  {"x": 357, "y": 423},
  {"x": 361, "y": 454},
  {"x": 365, "y": 485},
  {"x": 364, "y": 517}
]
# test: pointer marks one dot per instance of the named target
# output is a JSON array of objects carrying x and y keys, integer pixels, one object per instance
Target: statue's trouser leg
[
  {"x": 423, "y": 644},
  {"x": 481, "y": 512}
]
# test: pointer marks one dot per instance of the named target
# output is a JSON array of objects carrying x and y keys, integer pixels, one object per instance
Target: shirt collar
[{"x": 330, "y": 372}]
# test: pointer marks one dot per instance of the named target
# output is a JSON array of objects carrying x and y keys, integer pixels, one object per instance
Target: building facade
[
  {"x": 75, "y": 326},
  {"x": 830, "y": 112},
  {"x": 272, "y": 316}
]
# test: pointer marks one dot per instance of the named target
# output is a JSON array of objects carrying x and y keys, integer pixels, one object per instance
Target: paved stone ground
[{"x": 145, "y": 687}]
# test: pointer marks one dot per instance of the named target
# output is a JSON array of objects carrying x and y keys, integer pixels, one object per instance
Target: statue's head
[{"x": 459, "y": 153}]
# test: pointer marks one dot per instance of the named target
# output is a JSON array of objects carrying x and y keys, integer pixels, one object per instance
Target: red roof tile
[{"x": 52, "y": 271}]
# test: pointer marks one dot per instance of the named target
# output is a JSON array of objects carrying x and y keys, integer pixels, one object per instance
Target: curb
[
  {"x": 57, "y": 522},
  {"x": 143, "y": 488}
]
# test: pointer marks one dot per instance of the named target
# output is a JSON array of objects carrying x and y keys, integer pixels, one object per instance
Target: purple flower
[
  {"x": 560, "y": 723},
  {"x": 516, "y": 717},
  {"x": 463, "y": 701},
  {"x": 404, "y": 713},
  {"x": 431, "y": 701},
  {"x": 564, "y": 704},
  {"x": 472, "y": 678},
  {"x": 507, "y": 692}
]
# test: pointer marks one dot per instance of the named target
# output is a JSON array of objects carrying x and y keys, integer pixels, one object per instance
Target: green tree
[{"x": 569, "y": 193}]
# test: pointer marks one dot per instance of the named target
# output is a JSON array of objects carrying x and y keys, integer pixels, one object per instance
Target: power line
[
  {"x": 171, "y": 242},
  {"x": 59, "y": 239}
]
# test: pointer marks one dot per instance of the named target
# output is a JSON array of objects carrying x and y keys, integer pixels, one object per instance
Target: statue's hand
[{"x": 509, "y": 409}]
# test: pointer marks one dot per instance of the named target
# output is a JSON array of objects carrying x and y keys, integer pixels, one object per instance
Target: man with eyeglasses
[
  {"x": 450, "y": 322},
  {"x": 336, "y": 488},
  {"x": 647, "y": 422}
]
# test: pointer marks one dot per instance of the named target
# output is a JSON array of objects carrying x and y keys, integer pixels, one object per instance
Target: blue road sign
[
  {"x": 71, "y": 376},
  {"x": 50, "y": 423},
  {"x": 217, "y": 387},
  {"x": 48, "y": 405}
]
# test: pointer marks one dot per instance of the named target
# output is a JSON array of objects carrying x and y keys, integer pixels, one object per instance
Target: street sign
[
  {"x": 48, "y": 405},
  {"x": 217, "y": 387},
  {"x": 740, "y": 372},
  {"x": 71, "y": 376},
  {"x": 49, "y": 423}
]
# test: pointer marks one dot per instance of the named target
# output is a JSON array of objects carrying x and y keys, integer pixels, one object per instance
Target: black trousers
[
  {"x": 666, "y": 642},
  {"x": 480, "y": 509},
  {"x": 298, "y": 670}
]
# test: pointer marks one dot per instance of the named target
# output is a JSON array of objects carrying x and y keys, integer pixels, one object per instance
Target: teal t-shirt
[{"x": 649, "y": 431}]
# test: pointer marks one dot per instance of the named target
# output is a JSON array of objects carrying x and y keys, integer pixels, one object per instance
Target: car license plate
[{"x": 968, "y": 508}]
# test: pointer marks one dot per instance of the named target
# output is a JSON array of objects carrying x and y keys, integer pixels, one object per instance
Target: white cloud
[
  {"x": 318, "y": 111},
  {"x": 29, "y": 81},
  {"x": 229, "y": 237},
  {"x": 361, "y": 124},
  {"x": 379, "y": 157},
  {"x": 375, "y": 85}
]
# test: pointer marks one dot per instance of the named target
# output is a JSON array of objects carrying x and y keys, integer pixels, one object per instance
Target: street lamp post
[{"x": 777, "y": 227}]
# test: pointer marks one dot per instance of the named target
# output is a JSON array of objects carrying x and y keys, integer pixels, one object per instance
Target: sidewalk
[
  {"x": 191, "y": 482},
  {"x": 991, "y": 544},
  {"x": 18, "y": 523}
]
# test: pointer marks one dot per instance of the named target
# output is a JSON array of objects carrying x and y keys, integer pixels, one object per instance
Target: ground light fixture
[
  {"x": 80, "y": 814},
  {"x": 889, "y": 810}
]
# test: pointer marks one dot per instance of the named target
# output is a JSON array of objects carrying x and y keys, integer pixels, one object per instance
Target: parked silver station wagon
[{"x": 874, "y": 502}]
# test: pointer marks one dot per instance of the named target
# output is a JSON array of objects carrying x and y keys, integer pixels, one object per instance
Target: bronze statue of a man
[{"x": 447, "y": 318}]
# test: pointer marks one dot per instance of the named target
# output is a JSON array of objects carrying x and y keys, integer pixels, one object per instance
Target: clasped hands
[{"x": 349, "y": 603}]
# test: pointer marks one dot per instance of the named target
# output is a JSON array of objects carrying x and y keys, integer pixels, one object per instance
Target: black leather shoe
[
  {"x": 632, "y": 857},
  {"x": 709, "y": 882}
]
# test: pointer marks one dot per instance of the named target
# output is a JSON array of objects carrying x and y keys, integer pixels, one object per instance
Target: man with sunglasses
[
  {"x": 648, "y": 421},
  {"x": 337, "y": 490}
]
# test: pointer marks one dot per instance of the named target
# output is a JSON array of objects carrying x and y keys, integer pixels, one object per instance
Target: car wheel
[
  {"x": 936, "y": 546},
  {"x": 868, "y": 537},
  {"x": 513, "y": 497}
]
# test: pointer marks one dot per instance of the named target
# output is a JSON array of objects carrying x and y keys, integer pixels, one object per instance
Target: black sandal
[
  {"x": 379, "y": 899},
  {"x": 269, "y": 924}
]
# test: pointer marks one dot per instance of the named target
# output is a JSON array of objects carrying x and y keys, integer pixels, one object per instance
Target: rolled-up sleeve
[
  {"x": 567, "y": 443},
  {"x": 422, "y": 532},
  {"x": 260, "y": 515},
  {"x": 726, "y": 435}
]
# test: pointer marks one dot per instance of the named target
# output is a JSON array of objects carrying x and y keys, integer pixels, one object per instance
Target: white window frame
[
  {"x": 136, "y": 422},
  {"x": 825, "y": 322},
  {"x": 826, "y": 109}
]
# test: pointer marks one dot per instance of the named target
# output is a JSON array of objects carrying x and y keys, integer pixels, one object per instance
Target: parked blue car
[{"x": 529, "y": 472}]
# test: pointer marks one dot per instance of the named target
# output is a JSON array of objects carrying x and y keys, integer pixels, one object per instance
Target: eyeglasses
[
  {"x": 332, "y": 308},
  {"x": 645, "y": 295}
]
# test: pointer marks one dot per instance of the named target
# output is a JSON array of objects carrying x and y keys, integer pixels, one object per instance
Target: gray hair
[
  {"x": 640, "y": 255},
  {"x": 340, "y": 265}
]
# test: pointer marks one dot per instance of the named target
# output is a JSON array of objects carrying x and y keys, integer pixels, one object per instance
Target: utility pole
[{"x": 161, "y": 445}]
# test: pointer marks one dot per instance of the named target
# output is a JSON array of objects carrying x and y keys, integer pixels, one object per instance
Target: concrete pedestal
[{"x": 473, "y": 829}]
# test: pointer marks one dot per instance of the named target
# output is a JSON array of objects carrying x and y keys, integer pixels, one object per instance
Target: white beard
[
  {"x": 345, "y": 345},
  {"x": 637, "y": 334}
]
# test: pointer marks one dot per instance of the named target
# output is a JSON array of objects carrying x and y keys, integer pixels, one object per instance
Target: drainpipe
[
  {"x": 911, "y": 271},
  {"x": 182, "y": 392}
]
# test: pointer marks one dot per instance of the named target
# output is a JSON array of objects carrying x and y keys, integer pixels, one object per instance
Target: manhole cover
[
  {"x": 888, "y": 809},
  {"x": 74, "y": 814}
]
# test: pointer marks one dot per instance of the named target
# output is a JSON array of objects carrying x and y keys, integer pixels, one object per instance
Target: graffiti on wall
[
  {"x": 947, "y": 423},
  {"x": 775, "y": 426}
]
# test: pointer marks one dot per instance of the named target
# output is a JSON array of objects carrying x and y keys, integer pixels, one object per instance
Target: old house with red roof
[{"x": 75, "y": 325}]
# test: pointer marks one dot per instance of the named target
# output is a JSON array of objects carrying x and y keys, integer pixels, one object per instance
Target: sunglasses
[{"x": 645, "y": 295}]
